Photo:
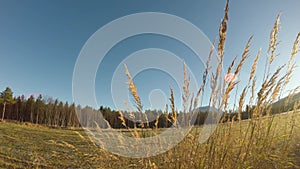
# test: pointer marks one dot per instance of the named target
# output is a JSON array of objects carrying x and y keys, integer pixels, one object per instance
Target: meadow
[
  {"x": 35, "y": 146},
  {"x": 265, "y": 140}
]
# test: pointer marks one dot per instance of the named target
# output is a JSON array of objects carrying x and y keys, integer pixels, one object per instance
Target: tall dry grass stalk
[
  {"x": 215, "y": 84},
  {"x": 222, "y": 33},
  {"x": 272, "y": 46},
  {"x": 245, "y": 55},
  {"x": 172, "y": 105},
  {"x": 231, "y": 65},
  {"x": 291, "y": 63},
  {"x": 274, "y": 39},
  {"x": 204, "y": 77},
  {"x": 239, "y": 66},
  {"x": 241, "y": 103},
  {"x": 186, "y": 92},
  {"x": 133, "y": 90},
  {"x": 252, "y": 91},
  {"x": 121, "y": 117},
  {"x": 254, "y": 65}
]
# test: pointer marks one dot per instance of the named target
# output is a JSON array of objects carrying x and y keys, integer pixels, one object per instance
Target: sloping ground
[
  {"x": 278, "y": 106},
  {"x": 31, "y": 146}
]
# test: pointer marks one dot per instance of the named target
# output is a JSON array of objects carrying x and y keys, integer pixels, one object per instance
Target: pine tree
[{"x": 6, "y": 97}]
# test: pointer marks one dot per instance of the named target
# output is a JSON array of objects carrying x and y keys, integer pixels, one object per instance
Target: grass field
[
  {"x": 265, "y": 142},
  {"x": 32, "y": 146}
]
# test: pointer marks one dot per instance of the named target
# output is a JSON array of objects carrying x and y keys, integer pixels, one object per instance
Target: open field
[
  {"x": 248, "y": 90},
  {"x": 266, "y": 141},
  {"x": 32, "y": 146}
]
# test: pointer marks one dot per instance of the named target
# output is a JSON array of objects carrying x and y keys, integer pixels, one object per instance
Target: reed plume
[
  {"x": 222, "y": 33},
  {"x": 291, "y": 63},
  {"x": 174, "y": 114},
  {"x": 121, "y": 117},
  {"x": 204, "y": 77},
  {"x": 133, "y": 91},
  {"x": 295, "y": 49},
  {"x": 231, "y": 84},
  {"x": 252, "y": 90},
  {"x": 186, "y": 84},
  {"x": 228, "y": 90},
  {"x": 253, "y": 68},
  {"x": 266, "y": 90},
  {"x": 215, "y": 85},
  {"x": 241, "y": 103},
  {"x": 231, "y": 65},
  {"x": 273, "y": 39},
  {"x": 245, "y": 55}
]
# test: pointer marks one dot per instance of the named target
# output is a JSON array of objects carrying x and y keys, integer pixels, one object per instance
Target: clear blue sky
[{"x": 41, "y": 40}]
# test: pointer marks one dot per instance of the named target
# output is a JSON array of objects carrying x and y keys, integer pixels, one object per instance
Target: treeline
[
  {"x": 55, "y": 113},
  {"x": 37, "y": 110},
  {"x": 150, "y": 117}
]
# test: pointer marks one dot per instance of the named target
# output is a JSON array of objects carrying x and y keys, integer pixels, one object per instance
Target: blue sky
[{"x": 41, "y": 40}]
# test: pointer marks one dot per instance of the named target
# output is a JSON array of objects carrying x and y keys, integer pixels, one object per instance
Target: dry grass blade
[
  {"x": 277, "y": 89},
  {"x": 224, "y": 81},
  {"x": 295, "y": 49},
  {"x": 186, "y": 84},
  {"x": 133, "y": 91},
  {"x": 196, "y": 100},
  {"x": 222, "y": 33},
  {"x": 229, "y": 88},
  {"x": 221, "y": 46},
  {"x": 174, "y": 114},
  {"x": 121, "y": 117},
  {"x": 212, "y": 48},
  {"x": 291, "y": 64},
  {"x": 275, "y": 76},
  {"x": 204, "y": 76},
  {"x": 288, "y": 74},
  {"x": 253, "y": 68},
  {"x": 241, "y": 103},
  {"x": 231, "y": 65},
  {"x": 231, "y": 85},
  {"x": 267, "y": 86},
  {"x": 273, "y": 39},
  {"x": 245, "y": 55},
  {"x": 215, "y": 84},
  {"x": 207, "y": 64},
  {"x": 253, "y": 90},
  {"x": 207, "y": 68}
]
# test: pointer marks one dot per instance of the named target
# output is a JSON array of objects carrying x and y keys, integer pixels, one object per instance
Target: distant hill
[
  {"x": 279, "y": 106},
  {"x": 206, "y": 109}
]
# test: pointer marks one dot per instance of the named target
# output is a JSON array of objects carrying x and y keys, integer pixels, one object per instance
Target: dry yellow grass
[
  {"x": 265, "y": 141},
  {"x": 260, "y": 142}
]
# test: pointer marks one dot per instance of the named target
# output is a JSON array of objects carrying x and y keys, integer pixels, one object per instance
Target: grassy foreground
[{"x": 31, "y": 146}]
